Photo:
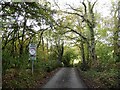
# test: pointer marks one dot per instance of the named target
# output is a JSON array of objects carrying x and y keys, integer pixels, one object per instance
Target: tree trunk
[
  {"x": 117, "y": 35},
  {"x": 40, "y": 39},
  {"x": 43, "y": 45},
  {"x": 93, "y": 53},
  {"x": 60, "y": 52},
  {"x": 119, "y": 32},
  {"x": 88, "y": 52},
  {"x": 83, "y": 56},
  {"x": 23, "y": 34},
  {"x": 47, "y": 44},
  {"x": 13, "y": 45}
]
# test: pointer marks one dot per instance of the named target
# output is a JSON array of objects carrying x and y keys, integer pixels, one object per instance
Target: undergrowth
[
  {"x": 17, "y": 70},
  {"x": 107, "y": 77}
]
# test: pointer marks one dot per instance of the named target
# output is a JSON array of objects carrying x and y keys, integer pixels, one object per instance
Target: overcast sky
[{"x": 102, "y": 6}]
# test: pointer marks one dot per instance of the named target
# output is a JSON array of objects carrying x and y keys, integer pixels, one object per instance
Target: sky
[{"x": 102, "y": 6}]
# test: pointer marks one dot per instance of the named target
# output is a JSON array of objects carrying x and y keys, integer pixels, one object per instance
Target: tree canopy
[{"x": 61, "y": 36}]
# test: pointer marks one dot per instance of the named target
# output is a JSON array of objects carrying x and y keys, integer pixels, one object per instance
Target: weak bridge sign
[{"x": 32, "y": 51}]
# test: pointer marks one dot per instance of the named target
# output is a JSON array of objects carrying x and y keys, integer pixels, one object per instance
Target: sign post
[{"x": 32, "y": 54}]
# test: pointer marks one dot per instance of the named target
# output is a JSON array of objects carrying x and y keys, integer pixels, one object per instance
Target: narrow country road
[{"x": 65, "y": 78}]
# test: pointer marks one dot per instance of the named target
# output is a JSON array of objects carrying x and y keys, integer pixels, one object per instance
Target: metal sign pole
[{"x": 32, "y": 66}]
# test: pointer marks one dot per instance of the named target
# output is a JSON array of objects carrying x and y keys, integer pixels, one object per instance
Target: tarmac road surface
[{"x": 65, "y": 78}]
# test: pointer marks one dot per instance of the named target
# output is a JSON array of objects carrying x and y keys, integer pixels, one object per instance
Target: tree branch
[
  {"x": 93, "y": 5},
  {"x": 85, "y": 7},
  {"x": 74, "y": 8},
  {"x": 71, "y": 30},
  {"x": 84, "y": 19}
]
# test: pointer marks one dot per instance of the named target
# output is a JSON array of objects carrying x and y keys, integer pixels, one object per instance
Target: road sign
[
  {"x": 32, "y": 51},
  {"x": 32, "y": 54}
]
